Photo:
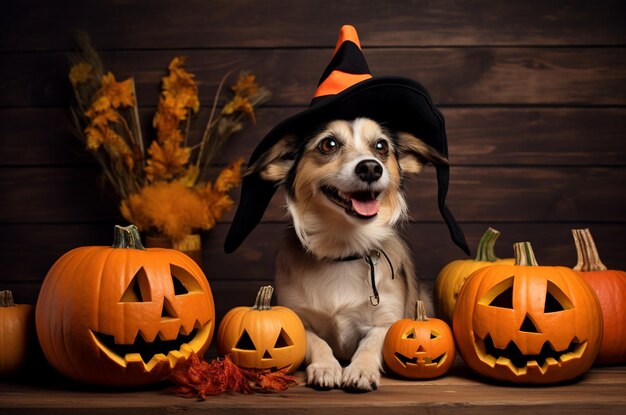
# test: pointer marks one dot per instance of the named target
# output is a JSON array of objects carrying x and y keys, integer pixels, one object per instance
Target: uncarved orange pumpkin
[
  {"x": 526, "y": 323},
  {"x": 610, "y": 286},
  {"x": 452, "y": 277},
  {"x": 16, "y": 333},
  {"x": 419, "y": 349},
  {"x": 262, "y": 337},
  {"x": 123, "y": 315}
]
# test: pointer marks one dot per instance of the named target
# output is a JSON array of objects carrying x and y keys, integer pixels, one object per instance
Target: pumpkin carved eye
[
  {"x": 245, "y": 342},
  {"x": 283, "y": 340},
  {"x": 556, "y": 300},
  {"x": 501, "y": 295},
  {"x": 409, "y": 334},
  {"x": 138, "y": 290},
  {"x": 184, "y": 282},
  {"x": 434, "y": 334}
]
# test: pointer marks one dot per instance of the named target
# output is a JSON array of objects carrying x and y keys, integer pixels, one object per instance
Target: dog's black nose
[{"x": 369, "y": 170}]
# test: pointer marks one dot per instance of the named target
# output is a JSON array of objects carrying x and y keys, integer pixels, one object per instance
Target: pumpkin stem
[
  {"x": 524, "y": 254},
  {"x": 420, "y": 311},
  {"x": 6, "y": 299},
  {"x": 485, "y": 251},
  {"x": 588, "y": 258},
  {"x": 127, "y": 237},
  {"x": 263, "y": 298}
]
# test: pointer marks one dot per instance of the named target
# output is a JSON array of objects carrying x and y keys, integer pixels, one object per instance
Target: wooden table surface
[{"x": 601, "y": 391}]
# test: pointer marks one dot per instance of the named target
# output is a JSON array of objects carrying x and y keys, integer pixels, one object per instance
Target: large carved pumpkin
[
  {"x": 419, "y": 349},
  {"x": 123, "y": 315},
  {"x": 527, "y": 323},
  {"x": 262, "y": 337},
  {"x": 452, "y": 277},
  {"x": 610, "y": 286}
]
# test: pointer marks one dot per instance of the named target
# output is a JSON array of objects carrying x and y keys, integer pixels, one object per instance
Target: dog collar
[{"x": 371, "y": 259}]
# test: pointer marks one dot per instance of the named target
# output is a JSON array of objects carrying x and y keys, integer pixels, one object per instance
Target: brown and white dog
[{"x": 343, "y": 267}]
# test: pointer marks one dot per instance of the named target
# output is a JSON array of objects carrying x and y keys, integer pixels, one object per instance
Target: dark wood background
[{"x": 533, "y": 92}]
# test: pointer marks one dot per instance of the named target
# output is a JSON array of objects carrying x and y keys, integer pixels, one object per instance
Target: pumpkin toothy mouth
[
  {"x": 421, "y": 361},
  {"x": 518, "y": 363},
  {"x": 149, "y": 354},
  {"x": 361, "y": 204}
]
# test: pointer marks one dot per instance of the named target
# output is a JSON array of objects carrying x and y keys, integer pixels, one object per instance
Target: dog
[{"x": 343, "y": 266}]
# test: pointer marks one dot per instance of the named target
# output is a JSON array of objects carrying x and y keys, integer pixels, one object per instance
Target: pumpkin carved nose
[
  {"x": 267, "y": 355},
  {"x": 528, "y": 326}
]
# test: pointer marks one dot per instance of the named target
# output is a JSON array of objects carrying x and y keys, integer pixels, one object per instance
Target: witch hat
[{"x": 346, "y": 91}]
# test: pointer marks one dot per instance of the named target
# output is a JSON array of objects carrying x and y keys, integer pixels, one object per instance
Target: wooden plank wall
[{"x": 533, "y": 93}]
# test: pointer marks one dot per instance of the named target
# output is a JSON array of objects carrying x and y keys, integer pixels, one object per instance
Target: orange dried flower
[
  {"x": 180, "y": 85},
  {"x": 229, "y": 177},
  {"x": 79, "y": 73},
  {"x": 245, "y": 86},
  {"x": 114, "y": 94},
  {"x": 167, "y": 160},
  {"x": 114, "y": 143},
  {"x": 174, "y": 209},
  {"x": 216, "y": 202},
  {"x": 170, "y": 208},
  {"x": 239, "y": 104},
  {"x": 102, "y": 118}
]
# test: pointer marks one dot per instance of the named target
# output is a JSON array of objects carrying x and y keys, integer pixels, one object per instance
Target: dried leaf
[
  {"x": 201, "y": 379},
  {"x": 276, "y": 381}
]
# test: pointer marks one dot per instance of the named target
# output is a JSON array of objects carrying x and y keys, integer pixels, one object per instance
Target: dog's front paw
[
  {"x": 359, "y": 377},
  {"x": 324, "y": 375}
]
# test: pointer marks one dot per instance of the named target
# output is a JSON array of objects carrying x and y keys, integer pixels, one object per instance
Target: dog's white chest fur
[{"x": 333, "y": 297}]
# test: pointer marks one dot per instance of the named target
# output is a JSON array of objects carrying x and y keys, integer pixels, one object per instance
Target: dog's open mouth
[{"x": 361, "y": 204}]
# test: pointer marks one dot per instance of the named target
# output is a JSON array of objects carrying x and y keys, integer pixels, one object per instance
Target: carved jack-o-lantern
[
  {"x": 261, "y": 337},
  {"x": 123, "y": 315},
  {"x": 419, "y": 349},
  {"x": 526, "y": 323}
]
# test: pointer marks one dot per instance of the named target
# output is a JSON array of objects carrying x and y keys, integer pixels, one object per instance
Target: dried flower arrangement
[
  {"x": 199, "y": 378},
  {"x": 164, "y": 188}
]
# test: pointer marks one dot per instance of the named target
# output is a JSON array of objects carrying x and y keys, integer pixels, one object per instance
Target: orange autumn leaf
[{"x": 229, "y": 177}]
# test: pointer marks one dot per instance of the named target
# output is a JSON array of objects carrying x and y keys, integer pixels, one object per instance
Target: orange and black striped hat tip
[
  {"x": 346, "y": 68},
  {"x": 347, "y": 32}
]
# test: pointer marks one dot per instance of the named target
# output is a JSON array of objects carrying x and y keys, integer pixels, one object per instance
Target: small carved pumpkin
[
  {"x": 261, "y": 337},
  {"x": 610, "y": 286},
  {"x": 452, "y": 277},
  {"x": 419, "y": 349},
  {"x": 123, "y": 315},
  {"x": 525, "y": 323},
  {"x": 17, "y": 329}
]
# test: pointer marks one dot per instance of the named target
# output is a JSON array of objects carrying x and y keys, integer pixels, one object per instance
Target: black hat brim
[{"x": 398, "y": 103}]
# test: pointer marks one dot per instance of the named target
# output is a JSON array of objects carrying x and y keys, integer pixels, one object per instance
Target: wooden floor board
[{"x": 600, "y": 391}]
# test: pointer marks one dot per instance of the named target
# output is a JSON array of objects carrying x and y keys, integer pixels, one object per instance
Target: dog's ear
[
  {"x": 274, "y": 165},
  {"x": 413, "y": 153}
]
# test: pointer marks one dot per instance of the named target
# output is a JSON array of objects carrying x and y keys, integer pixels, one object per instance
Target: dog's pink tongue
[{"x": 365, "y": 207}]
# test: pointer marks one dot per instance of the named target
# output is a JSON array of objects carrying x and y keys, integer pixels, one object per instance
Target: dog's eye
[
  {"x": 328, "y": 145},
  {"x": 382, "y": 147}
]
